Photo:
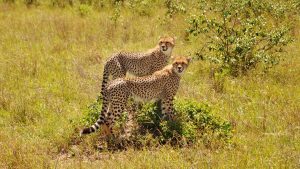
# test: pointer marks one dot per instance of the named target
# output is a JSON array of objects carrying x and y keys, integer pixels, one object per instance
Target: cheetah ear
[
  {"x": 172, "y": 57},
  {"x": 174, "y": 39}
]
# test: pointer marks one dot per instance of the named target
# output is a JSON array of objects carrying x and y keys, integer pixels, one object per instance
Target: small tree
[{"x": 239, "y": 34}]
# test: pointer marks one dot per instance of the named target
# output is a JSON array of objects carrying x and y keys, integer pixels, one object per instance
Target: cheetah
[
  {"x": 138, "y": 64},
  {"x": 162, "y": 84}
]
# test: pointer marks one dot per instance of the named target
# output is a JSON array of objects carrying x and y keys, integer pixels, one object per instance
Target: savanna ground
[{"x": 51, "y": 69}]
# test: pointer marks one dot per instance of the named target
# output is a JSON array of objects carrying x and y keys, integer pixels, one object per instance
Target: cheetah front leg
[{"x": 167, "y": 108}]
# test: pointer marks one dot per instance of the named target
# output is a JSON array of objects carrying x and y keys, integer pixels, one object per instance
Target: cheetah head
[
  {"x": 166, "y": 45},
  {"x": 180, "y": 64}
]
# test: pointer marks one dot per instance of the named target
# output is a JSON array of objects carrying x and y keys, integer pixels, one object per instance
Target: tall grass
[{"x": 50, "y": 71}]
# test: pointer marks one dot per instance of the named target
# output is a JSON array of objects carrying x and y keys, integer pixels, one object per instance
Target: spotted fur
[
  {"x": 162, "y": 85},
  {"x": 138, "y": 64}
]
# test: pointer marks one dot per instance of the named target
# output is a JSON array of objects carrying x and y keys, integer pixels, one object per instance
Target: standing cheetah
[
  {"x": 138, "y": 64},
  {"x": 162, "y": 85}
]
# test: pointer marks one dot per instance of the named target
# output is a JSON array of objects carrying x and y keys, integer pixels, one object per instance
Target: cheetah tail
[
  {"x": 91, "y": 129},
  {"x": 104, "y": 79}
]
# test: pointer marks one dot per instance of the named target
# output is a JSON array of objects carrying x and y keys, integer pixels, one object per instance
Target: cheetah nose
[{"x": 180, "y": 69}]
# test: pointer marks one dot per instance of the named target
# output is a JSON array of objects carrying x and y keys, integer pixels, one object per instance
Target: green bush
[
  {"x": 174, "y": 6},
  {"x": 194, "y": 124},
  {"x": 240, "y": 34},
  {"x": 84, "y": 9},
  {"x": 93, "y": 112}
]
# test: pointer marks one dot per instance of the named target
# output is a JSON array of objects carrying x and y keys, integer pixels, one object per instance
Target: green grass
[{"x": 51, "y": 70}]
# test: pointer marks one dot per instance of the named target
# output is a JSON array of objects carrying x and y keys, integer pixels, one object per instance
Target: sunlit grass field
[{"x": 51, "y": 62}]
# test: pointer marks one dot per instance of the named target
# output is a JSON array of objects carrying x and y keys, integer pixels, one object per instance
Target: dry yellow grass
[{"x": 50, "y": 71}]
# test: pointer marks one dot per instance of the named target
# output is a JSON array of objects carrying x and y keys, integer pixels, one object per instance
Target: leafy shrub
[
  {"x": 84, "y": 9},
  {"x": 194, "y": 124},
  {"x": 174, "y": 6},
  {"x": 93, "y": 112},
  {"x": 193, "y": 121},
  {"x": 239, "y": 34}
]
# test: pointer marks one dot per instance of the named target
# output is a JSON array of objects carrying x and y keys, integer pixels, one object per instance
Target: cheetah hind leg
[
  {"x": 130, "y": 124},
  {"x": 116, "y": 71},
  {"x": 112, "y": 116},
  {"x": 113, "y": 141}
]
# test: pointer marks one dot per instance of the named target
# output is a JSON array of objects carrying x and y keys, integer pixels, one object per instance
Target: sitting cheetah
[
  {"x": 162, "y": 85},
  {"x": 138, "y": 64}
]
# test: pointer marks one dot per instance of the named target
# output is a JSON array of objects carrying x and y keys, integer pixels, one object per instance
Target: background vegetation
[{"x": 52, "y": 54}]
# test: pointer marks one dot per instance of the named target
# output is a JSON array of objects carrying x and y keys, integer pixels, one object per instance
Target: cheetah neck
[
  {"x": 178, "y": 75},
  {"x": 153, "y": 50}
]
